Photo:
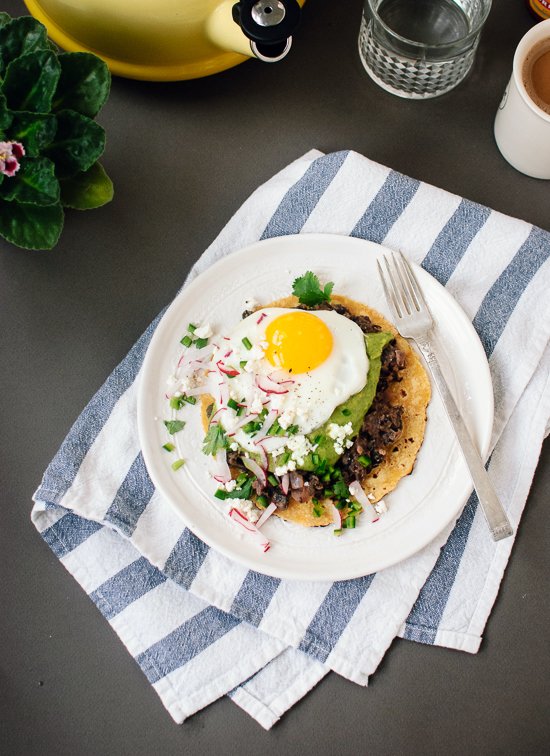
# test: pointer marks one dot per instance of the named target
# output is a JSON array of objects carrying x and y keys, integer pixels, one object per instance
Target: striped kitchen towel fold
[{"x": 201, "y": 626}]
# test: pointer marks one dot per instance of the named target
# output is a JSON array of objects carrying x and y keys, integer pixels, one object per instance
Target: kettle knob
[{"x": 268, "y": 24}]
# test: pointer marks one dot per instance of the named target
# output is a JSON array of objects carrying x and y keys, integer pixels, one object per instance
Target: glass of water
[{"x": 420, "y": 48}]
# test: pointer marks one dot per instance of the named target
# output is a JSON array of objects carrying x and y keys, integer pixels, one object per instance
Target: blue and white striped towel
[{"x": 200, "y": 626}]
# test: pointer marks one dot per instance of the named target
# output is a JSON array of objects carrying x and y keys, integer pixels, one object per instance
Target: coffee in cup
[
  {"x": 536, "y": 75},
  {"x": 522, "y": 123}
]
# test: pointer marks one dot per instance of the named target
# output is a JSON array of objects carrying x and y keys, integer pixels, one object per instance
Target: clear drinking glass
[{"x": 420, "y": 48}]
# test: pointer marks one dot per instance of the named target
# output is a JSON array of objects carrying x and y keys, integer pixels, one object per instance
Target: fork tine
[
  {"x": 414, "y": 282},
  {"x": 405, "y": 277},
  {"x": 407, "y": 294},
  {"x": 389, "y": 289}
]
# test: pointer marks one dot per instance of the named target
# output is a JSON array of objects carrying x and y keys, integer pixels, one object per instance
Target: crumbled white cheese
[
  {"x": 248, "y": 509},
  {"x": 203, "y": 332},
  {"x": 300, "y": 448},
  {"x": 287, "y": 418},
  {"x": 234, "y": 446},
  {"x": 381, "y": 507},
  {"x": 289, "y": 467},
  {"x": 256, "y": 405},
  {"x": 230, "y": 485},
  {"x": 339, "y": 434}
]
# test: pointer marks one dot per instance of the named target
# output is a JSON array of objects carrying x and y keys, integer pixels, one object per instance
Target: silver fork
[{"x": 414, "y": 321}]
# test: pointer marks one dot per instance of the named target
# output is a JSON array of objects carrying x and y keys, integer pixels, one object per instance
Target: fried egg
[{"x": 294, "y": 365}]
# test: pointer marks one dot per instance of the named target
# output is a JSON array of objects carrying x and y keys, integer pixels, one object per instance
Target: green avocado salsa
[{"x": 351, "y": 411}]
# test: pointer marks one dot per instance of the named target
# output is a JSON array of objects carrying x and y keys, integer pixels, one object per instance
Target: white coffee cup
[{"x": 522, "y": 128}]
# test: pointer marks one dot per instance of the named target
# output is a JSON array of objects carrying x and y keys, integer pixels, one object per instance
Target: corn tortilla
[{"x": 413, "y": 393}]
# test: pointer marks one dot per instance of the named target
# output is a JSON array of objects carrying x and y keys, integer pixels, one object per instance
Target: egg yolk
[{"x": 298, "y": 342}]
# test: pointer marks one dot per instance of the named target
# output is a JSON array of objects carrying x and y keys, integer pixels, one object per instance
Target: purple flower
[{"x": 10, "y": 154}]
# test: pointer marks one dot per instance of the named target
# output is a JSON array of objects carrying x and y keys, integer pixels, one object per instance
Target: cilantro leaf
[
  {"x": 308, "y": 290},
  {"x": 174, "y": 426},
  {"x": 215, "y": 439}
]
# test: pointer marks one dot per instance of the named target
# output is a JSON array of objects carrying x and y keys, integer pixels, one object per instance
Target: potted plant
[{"x": 49, "y": 141}]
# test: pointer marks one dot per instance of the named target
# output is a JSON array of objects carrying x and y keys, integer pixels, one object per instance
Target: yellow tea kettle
[{"x": 168, "y": 40}]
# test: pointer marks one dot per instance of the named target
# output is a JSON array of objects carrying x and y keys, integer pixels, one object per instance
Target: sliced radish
[
  {"x": 229, "y": 371},
  {"x": 255, "y": 469},
  {"x": 266, "y": 515},
  {"x": 272, "y": 443},
  {"x": 336, "y": 516},
  {"x": 281, "y": 377},
  {"x": 250, "y": 528},
  {"x": 268, "y": 386},
  {"x": 285, "y": 481},
  {"x": 263, "y": 454},
  {"x": 356, "y": 490},
  {"x": 222, "y": 473}
]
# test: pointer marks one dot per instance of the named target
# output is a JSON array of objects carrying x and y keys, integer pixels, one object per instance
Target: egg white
[{"x": 312, "y": 396}]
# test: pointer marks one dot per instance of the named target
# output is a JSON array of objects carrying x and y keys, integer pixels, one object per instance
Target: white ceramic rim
[
  {"x": 528, "y": 41},
  {"x": 415, "y": 521}
]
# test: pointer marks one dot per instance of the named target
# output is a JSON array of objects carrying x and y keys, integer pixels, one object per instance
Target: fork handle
[{"x": 495, "y": 515}]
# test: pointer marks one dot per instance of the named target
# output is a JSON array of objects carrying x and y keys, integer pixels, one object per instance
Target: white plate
[{"x": 423, "y": 503}]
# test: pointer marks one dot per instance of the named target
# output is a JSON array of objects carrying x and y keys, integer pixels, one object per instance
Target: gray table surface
[{"x": 184, "y": 156}]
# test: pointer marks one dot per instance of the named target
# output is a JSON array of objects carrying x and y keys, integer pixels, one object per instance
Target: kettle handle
[{"x": 268, "y": 24}]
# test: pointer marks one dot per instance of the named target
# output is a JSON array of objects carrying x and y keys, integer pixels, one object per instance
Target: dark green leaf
[
  {"x": 87, "y": 190},
  {"x": 5, "y": 115},
  {"x": 21, "y": 36},
  {"x": 34, "y": 183},
  {"x": 77, "y": 145},
  {"x": 31, "y": 226},
  {"x": 5, "y": 18},
  {"x": 84, "y": 84},
  {"x": 308, "y": 290},
  {"x": 31, "y": 80},
  {"x": 35, "y": 130}
]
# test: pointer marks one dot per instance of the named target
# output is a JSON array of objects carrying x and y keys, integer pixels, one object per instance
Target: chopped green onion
[
  {"x": 176, "y": 402},
  {"x": 221, "y": 494},
  {"x": 346, "y": 412},
  {"x": 240, "y": 411},
  {"x": 191, "y": 328},
  {"x": 186, "y": 341},
  {"x": 292, "y": 430},
  {"x": 318, "y": 508},
  {"x": 318, "y": 439},
  {"x": 242, "y": 363},
  {"x": 252, "y": 426},
  {"x": 315, "y": 458},
  {"x": 247, "y": 343},
  {"x": 349, "y": 522},
  {"x": 337, "y": 531},
  {"x": 261, "y": 501},
  {"x": 272, "y": 479},
  {"x": 200, "y": 343},
  {"x": 177, "y": 464},
  {"x": 275, "y": 429},
  {"x": 364, "y": 460},
  {"x": 340, "y": 504},
  {"x": 190, "y": 399},
  {"x": 241, "y": 493},
  {"x": 233, "y": 404},
  {"x": 174, "y": 426},
  {"x": 285, "y": 458},
  {"x": 168, "y": 447}
]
